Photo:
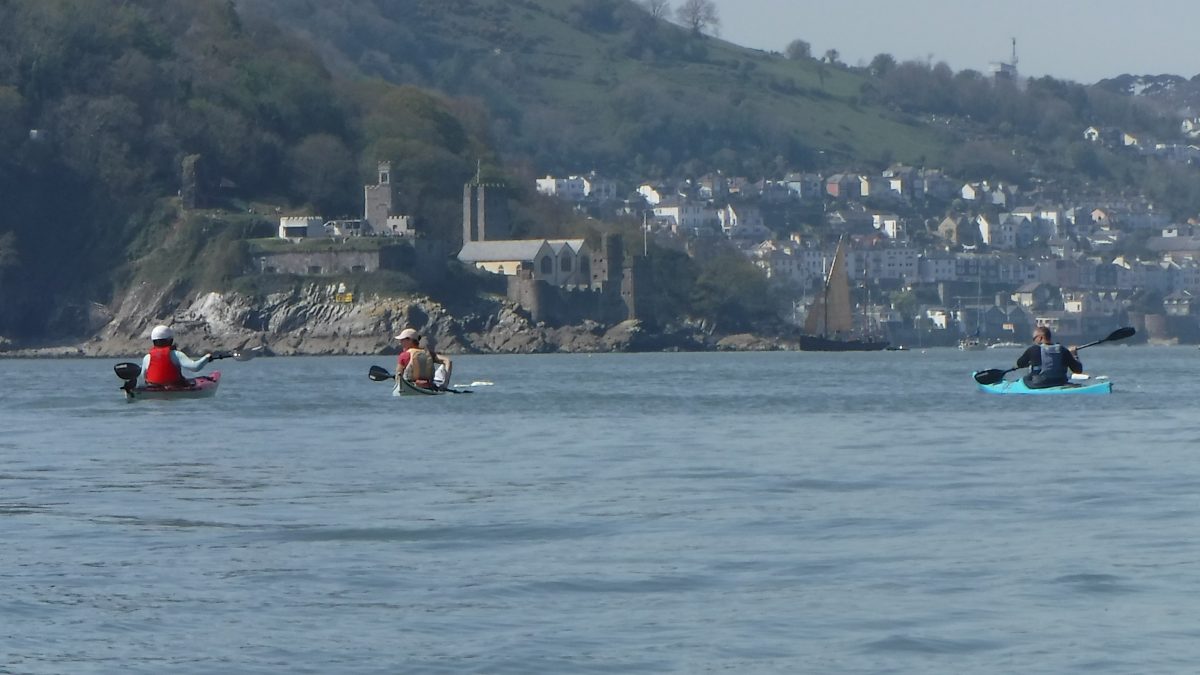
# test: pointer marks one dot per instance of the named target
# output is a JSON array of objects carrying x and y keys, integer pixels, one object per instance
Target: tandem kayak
[
  {"x": 1017, "y": 386},
  {"x": 203, "y": 386}
]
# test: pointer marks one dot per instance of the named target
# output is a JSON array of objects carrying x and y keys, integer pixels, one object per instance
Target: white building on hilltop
[{"x": 578, "y": 188}]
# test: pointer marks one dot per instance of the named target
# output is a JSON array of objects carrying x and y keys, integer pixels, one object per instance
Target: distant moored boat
[{"x": 830, "y": 323}]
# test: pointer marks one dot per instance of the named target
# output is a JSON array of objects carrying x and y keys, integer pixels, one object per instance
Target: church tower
[{"x": 485, "y": 212}]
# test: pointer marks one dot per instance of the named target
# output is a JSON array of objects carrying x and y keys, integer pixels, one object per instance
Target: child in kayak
[{"x": 164, "y": 365}]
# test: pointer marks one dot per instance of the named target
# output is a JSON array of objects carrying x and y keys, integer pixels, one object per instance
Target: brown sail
[{"x": 829, "y": 326}]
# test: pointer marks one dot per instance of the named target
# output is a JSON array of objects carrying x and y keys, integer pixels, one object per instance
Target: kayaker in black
[{"x": 1048, "y": 361}]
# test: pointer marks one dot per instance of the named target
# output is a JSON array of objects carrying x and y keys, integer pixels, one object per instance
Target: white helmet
[{"x": 161, "y": 332}]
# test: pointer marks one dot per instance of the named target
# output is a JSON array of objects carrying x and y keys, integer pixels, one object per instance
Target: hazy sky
[{"x": 1081, "y": 40}]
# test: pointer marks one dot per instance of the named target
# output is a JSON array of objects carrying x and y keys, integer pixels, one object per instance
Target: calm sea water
[{"x": 655, "y": 513}]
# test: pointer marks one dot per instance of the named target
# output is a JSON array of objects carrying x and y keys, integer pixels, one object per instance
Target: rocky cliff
[{"x": 313, "y": 321}]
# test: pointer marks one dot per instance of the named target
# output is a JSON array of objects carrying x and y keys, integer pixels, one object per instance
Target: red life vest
[{"x": 162, "y": 370}]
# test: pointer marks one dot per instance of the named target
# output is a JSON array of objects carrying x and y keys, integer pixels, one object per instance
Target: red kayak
[{"x": 203, "y": 386}]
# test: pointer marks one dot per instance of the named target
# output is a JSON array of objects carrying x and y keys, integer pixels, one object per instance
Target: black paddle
[
  {"x": 237, "y": 354},
  {"x": 994, "y": 375},
  {"x": 380, "y": 374}
]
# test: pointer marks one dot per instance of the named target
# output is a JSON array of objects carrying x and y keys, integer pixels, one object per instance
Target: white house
[
  {"x": 888, "y": 223},
  {"x": 800, "y": 266},
  {"x": 570, "y": 188},
  {"x": 653, "y": 194},
  {"x": 295, "y": 228},
  {"x": 998, "y": 232},
  {"x": 743, "y": 222},
  {"x": 682, "y": 216},
  {"x": 578, "y": 188},
  {"x": 891, "y": 263}
]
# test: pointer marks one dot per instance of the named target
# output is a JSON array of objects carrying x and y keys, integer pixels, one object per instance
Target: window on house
[
  {"x": 566, "y": 264},
  {"x": 314, "y": 269},
  {"x": 358, "y": 268},
  {"x": 547, "y": 265}
]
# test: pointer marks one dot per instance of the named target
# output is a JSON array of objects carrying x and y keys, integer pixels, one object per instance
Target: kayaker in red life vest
[
  {"x": 164, "y": 365},
  {"x": 414, "y": 363},
  {"x": 1048, "y": 361}
]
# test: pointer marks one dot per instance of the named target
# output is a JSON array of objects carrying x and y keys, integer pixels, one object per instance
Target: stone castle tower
[{"x": 378, "y": 199}]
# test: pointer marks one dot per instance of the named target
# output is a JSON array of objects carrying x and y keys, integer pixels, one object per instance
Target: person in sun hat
[
  {"x": 164, "y": 365},
  {"x": 414, "y": 363}
]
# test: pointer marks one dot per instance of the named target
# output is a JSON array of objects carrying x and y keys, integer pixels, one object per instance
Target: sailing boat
[
  {"x": 830, "y": 325},
  {"x": 975, "y": 342}
]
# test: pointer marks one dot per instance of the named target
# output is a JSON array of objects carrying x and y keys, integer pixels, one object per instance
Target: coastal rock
[
  {"x": 318, "y": 319},
  {"x": 746, "y": 342}
]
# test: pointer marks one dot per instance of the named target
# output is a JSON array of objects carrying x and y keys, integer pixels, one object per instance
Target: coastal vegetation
[{"x": 289, "y": 105}]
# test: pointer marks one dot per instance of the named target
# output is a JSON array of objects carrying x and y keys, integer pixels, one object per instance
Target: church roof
[{"x": 501, "y": 250}]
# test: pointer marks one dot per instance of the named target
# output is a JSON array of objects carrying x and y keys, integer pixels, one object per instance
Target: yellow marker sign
[{"x": 344, "y": 297}]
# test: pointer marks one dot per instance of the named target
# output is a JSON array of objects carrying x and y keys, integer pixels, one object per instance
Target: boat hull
[
  {"x": 1017, "y": 386},
  {"x": 405, "y": 388},
  {"x": 204, "y": 386},
  {"x": 815, "y": 343}
]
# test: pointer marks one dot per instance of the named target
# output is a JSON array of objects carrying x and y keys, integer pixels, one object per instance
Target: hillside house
[
  {"x": 1104, "y": 135},
  {"x": 712, "y": 186},
  {"x": 653, "y": 193},
  {"x": 578, "y": 188},
  {"x": 682, "y": 217},
  {"x": 937, "y": 185},
  {"x": 1181, "y": 303},
  {"x": 936, "y": 267},
  {"x": 884, "y": 263},
  {"x": 842, "y": 186},
  {"x": 1000, "y": 231},
  {"x": 888, "y": 223},
  {"x": 1036, "y": 296},
  {"x": 742, "y": 222},
  {"x": 804, "y": 186},
  {"x": 1093, "y": 302},
  {"x": 295, "y": 228}
]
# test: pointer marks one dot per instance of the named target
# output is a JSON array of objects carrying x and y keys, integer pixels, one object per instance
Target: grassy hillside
[{"x": 598, "y": 83}]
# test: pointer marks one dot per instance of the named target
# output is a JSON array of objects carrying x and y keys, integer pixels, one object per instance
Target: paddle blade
[
  {"x": 127, "y": 371},
  {"x": 379, "y": 374},
  {"x": 1120, "y": 334},
  {"x": 248, "y": 354},
  {"x": 991, "y": 376}
]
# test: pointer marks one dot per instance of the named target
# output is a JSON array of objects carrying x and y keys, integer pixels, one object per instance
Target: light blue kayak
[{"x": 1017, "y": 386}]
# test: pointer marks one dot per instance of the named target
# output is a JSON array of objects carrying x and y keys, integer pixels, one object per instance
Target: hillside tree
[
  {"x": 659, "y": 9},
  {"x": 798, "y": 49},
  {"x": 699, "y": 15}
]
